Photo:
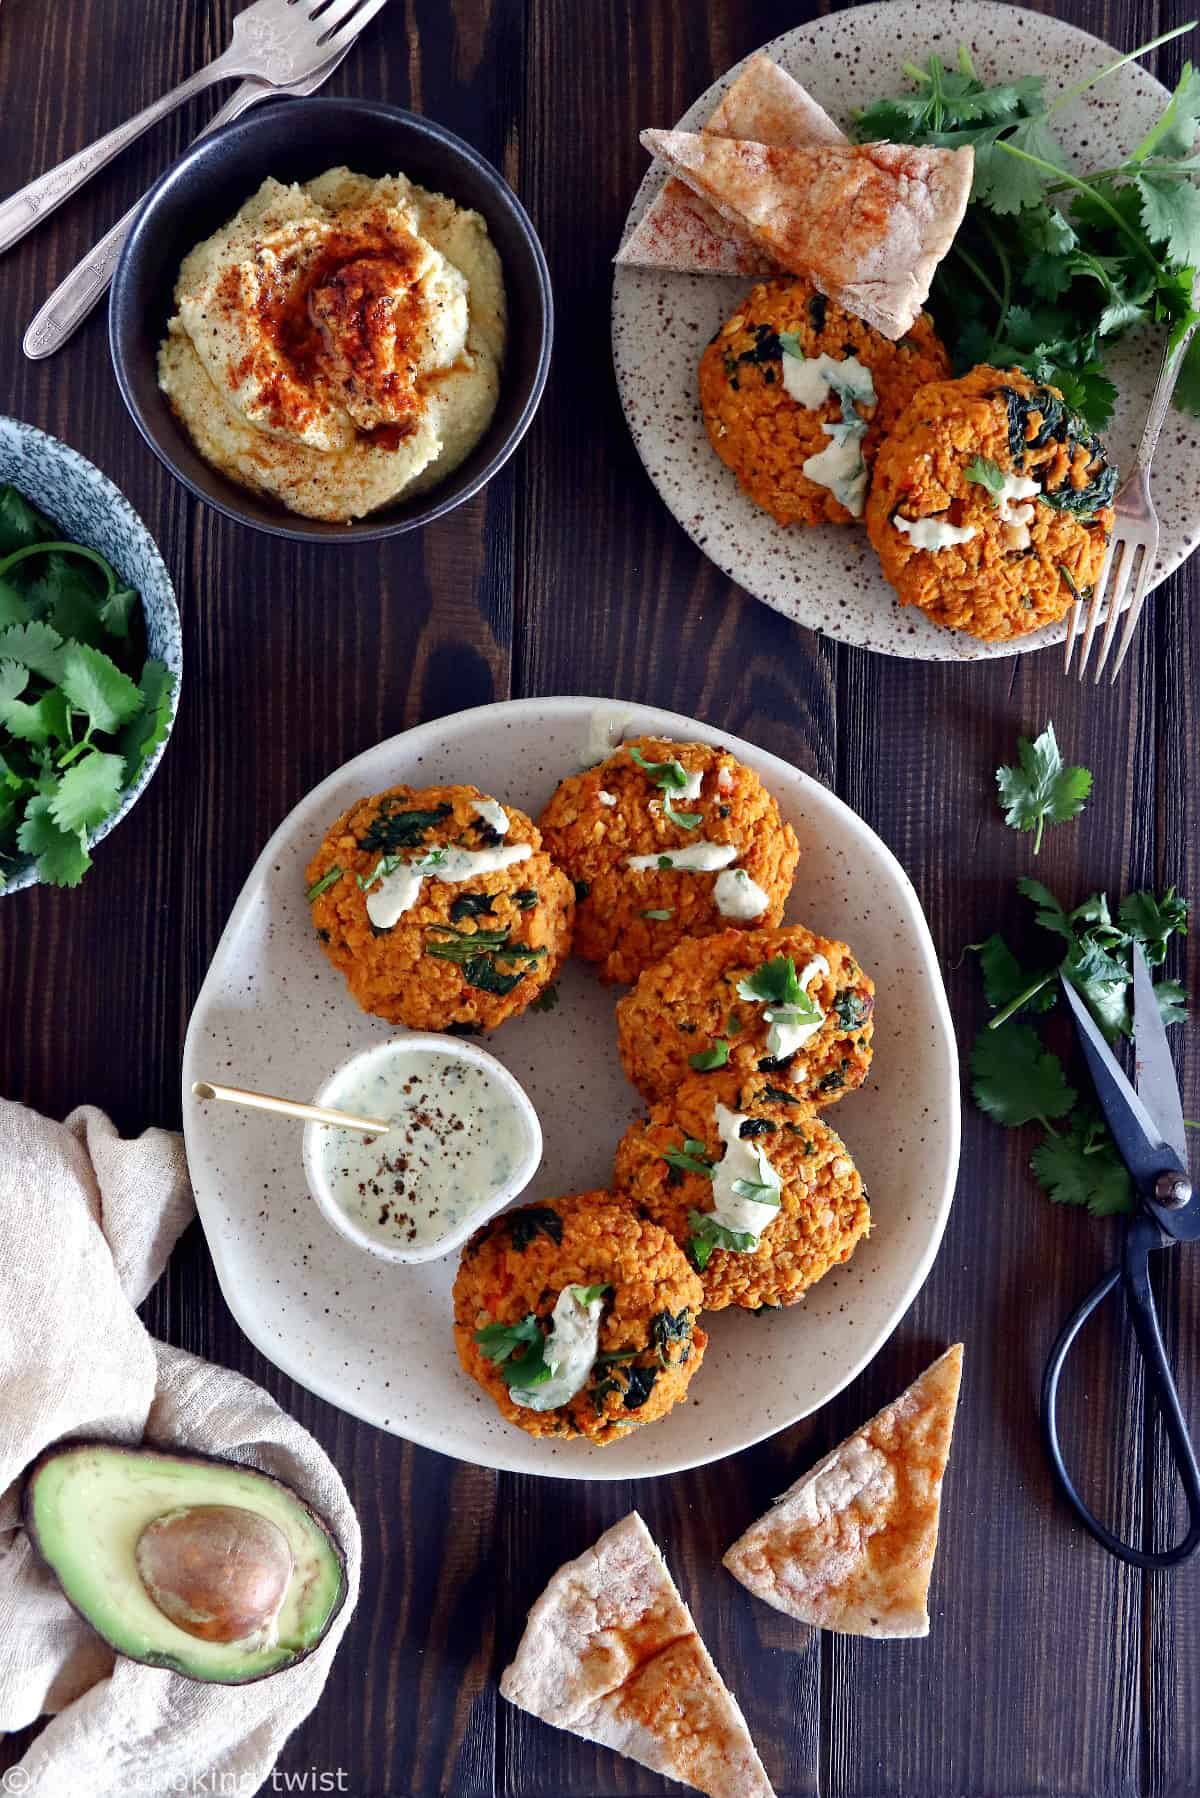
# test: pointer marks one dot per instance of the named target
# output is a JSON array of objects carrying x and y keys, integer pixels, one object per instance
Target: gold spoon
[{"x": 292, "y": 1108}]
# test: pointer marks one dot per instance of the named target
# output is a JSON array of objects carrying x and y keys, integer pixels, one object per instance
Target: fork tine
[
  {"x": 1073, "y": 617},
  {"x": 1104, "y": 583},
  {"x": 1131, "y": 617},
  {"x": 343, "y": 21},
  {"x": 1134, "y": 584}
]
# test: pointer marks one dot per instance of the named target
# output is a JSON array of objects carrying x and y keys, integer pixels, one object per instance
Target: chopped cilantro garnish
[
  {"x": 518, "y": 1350},
  {"x": 659, "y": 913},
  {"x": 986, "y": 473},
  {"x": 684, "y": 820},
  {"x": 323, "y": 885},
  {"x": 693, "y": 1158},
  {"x": 706, "y": 1235},
  {"x": 705, "y": 1061}
]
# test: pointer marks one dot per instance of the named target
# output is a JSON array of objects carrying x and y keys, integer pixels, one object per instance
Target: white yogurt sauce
[
  {"x": 933, "y": 533},
  {"x": 455, "y": 1141},
  {"x": 810, "y": 380},
  {"x": 570, "y": 1351},
  {"x": 606, "y": 798},
  {"x": 397, "y": 891},
  {"x": 790, "y": 1030},
  {"x": 737, "y": 896},
  {"x": 691, "y": 788},
  {"x": 743, "y": 1161},
  {"x": 493, "y": 814},
  {"x": 1016, "y": 519},
  {"x": 697, "y": 858}
]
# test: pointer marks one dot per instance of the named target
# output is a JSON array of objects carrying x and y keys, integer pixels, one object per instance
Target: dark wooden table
[{"x": 1049, "y": 1669}]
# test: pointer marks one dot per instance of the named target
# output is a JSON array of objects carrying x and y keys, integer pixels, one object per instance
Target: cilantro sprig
[
  {"x": 81, "y": 710},
  {"x": 1041, "y": 787},
  {"x": 1017, "y": 1080},
  {"x": 670, "y": 777},
  {"x": 1051, "y": 265}
]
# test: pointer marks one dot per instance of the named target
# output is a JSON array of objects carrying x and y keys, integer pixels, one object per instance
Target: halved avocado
[{"x": 204, "y": 1566}]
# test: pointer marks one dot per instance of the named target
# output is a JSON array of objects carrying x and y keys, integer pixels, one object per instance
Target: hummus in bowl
[{"x": 338, "y": 343}]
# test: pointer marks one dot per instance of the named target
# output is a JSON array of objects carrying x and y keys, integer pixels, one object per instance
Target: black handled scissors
[{"x": 1148, "y": 1128}]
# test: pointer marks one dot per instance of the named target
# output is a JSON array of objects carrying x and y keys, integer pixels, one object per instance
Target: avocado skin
[{"x": 185, "y": 1457}]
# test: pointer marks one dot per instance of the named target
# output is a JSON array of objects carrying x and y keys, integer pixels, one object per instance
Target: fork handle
[
  {"x": 1160, "y": 399},
  {"x": 27, "y": 208},
  {"x": 67, "y": 307}
]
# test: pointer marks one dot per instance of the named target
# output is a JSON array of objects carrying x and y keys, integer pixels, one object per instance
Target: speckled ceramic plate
[
  {"x": 829, "y": 578},
  {"x": 376, "y": 1339}
]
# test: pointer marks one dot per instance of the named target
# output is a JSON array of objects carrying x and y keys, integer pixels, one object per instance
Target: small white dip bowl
[{"x": 404, "y": 1055}]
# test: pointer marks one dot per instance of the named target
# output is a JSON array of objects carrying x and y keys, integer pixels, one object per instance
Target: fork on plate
[
  {"x": 1133, "y": 547},
  {"x": 276, "y": 42}
]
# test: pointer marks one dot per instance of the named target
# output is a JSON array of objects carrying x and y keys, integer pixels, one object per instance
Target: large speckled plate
[
  {"x": 829, "y": 578},
  {"x": 375, "y": 1338}
]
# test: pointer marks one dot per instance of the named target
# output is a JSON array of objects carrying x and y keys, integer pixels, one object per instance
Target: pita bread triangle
[
  {"x": 867, "y": 223},
  {"x": 610, "y": 1652},
  {"x": 850, "y": 1546},
  {"x": 679, "y": 230}
]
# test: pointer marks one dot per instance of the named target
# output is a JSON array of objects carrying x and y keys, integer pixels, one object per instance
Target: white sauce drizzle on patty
[
  {"x": 696, "y": 858},
  {"x": 737, "y": 896},
  {"x": 493, "y": 813},
  {"x": 570, "y": 1352},
  {"x": 933, "y": 533},
  {"x": 397, "y": 891},
  {"x": 743, "y": 1163}
]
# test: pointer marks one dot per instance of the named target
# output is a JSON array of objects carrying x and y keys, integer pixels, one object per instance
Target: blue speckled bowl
[{"x": 70, "y": 490}]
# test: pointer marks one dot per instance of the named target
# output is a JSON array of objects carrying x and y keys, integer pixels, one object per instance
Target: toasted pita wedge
[
  {"x": 610, "y": 1652},
  {"x": 867, "y": 223},
  {"x": 679, "y": 230},
  {"x": 850, "y": 1546}
]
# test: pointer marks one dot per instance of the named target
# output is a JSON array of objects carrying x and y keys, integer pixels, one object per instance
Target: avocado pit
[{"x": 219, "y": 1572}]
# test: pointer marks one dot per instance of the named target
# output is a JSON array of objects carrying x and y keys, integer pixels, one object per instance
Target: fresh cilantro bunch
[
  {"x": 1050, "y": 266},
  {"x": 1041, "y": 787},
  {"x": 1017, "y": 1080},
  {"x": 81, "y": 709}
]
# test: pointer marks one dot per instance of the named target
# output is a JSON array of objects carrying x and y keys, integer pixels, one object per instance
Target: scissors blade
[
  {"x": 1143, "y": 1148},
  {"x": 1157, "y": 1085}
]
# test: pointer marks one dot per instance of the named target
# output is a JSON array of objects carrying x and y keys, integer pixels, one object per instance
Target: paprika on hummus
[{"x": 338, "y": 343}]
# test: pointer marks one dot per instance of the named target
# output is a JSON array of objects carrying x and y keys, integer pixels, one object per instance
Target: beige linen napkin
[{"x": 87, "y": 1222}]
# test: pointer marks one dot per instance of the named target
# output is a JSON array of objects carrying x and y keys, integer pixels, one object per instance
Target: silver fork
[
  {"x": 1133, "y": 547},
  {"x": 75, "y": 296},
  {"x": 274, "y": 41}
]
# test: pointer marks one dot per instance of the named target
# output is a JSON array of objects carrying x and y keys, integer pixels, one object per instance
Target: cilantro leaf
[
  {"x": 1171, "y": 216},
  {"x": 62, "y": 857},
  {"x": 706, "y": 1234},
  {"x": 1050, "y": 914},
  {"x": 693, "y": 1158},
  {"x": 1103, "y": 983},
  {"x": 671, "y": 776},
  {"x": 21, "y": 525},
  {"x": 706, "y": 1060},
  {"x": 1017, "y": 1081},
  {"x": 1082, "y": 1167},
  {"x": 97, "y": 687},
  {"x": 36, "y": 724},
  {"x": 1172, "y": 1001},
  {"x": 684, "y": 820},
  {"x": 773, "y": 982},
  {"x": 986, "y": 473},
  {"x": 35, "y": 646},
  {"x": 518, "y": 1350},
  {"x": 14, "y": 608},
  {"x": 151, "y": 726},
  {"x": 1152, "y": 921},
  {"x": 1175, "y": 133},
  {"x": 1041, "y": 786},
  {"x": 1005, "y": 980},
  {"x": 88, "y": 791}
]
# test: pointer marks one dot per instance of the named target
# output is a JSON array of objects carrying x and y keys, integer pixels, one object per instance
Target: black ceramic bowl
[{"x": 295, "y": 140}]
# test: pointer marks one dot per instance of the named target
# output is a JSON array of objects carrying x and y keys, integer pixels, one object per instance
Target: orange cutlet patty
[
  {"x": 822, "y": 1214},
  {"x": 686, "y": 1016},
  {"x": 467, "y": 953},
  {"x": 1017, "y": 555},
  {"x": 511, "y": 1276},
  {"x": 654, "y": 798},
  {"x": 765, "y": 435}
]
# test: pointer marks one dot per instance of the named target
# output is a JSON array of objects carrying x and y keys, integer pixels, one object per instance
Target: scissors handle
[{"x": 1141, "y": 1235}]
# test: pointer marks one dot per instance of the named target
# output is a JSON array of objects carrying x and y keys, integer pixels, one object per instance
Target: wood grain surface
[{"x": 1050, "y": 1669}]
